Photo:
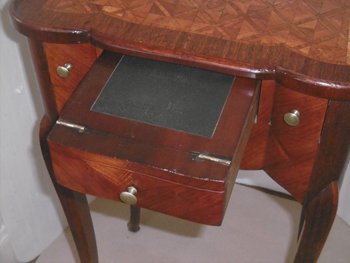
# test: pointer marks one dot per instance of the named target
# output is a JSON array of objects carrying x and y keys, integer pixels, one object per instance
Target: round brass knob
[
  {"x": 63, "y": 71},
  {"x": 292, "y": 118},
  {"x": 129, "y": 197}
]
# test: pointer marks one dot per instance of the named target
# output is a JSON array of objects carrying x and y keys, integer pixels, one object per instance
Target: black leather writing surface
[{"x": 165, "y": 95}]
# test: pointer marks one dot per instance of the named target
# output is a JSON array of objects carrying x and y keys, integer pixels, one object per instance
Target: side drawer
[{"x": 80, "y": 57}]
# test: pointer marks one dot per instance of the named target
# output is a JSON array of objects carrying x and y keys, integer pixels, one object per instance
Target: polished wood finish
[
  {"x": 286, "y": 153},
  {"x": 80, "y": 56},
  {"x": 299, "y": 50},
  {"x": 333, "y": 153},
  {"x": 106, "y": 177},
  {"x": 303, "y": 41},
  {"x": 115, "y": 153},
  {"x": 320, "y": 204},
  {"x": 319, "y": 217}
]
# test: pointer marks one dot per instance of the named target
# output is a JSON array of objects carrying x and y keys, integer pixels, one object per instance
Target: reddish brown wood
[
  {"x": 115, "y": 153},
  {"x": 286, "y": 153},
  {"x": 320, "y": 204},
  {"x": 74, "y": 204},
  {"x": 80, "y": 56},
  {"x": 333, "y": 153},
  {"x": 304, "y": 40},
  {"x": 254, "y": 155},
  {"x": 107, "y": 177},
  {"x": 319, "y": 216},
  {"x": 302, "y": 44},
  {"x": 292, "y": 151}
]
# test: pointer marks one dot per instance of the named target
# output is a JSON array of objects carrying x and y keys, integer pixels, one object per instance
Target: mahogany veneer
[
  {"x": 298, "y": 50},
  {"x": 83, "y": 56},
  {"x": 115, "y": 153}
]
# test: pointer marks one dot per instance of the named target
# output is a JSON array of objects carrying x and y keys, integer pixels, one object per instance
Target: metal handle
[
  {"x": 64, "y": 71},
  {"x": 129, "y": 197},
  {"x": 292, "y": 118}
]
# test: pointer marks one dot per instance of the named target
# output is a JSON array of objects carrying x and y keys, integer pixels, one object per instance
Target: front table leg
[
  {"x": 74, "y": 205},
  {"x": 319, "y": 216},
  {"x": 77, "y": 211}
]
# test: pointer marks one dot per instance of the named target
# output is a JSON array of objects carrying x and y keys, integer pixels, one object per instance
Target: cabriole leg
[{"x": 319, "y": 216}]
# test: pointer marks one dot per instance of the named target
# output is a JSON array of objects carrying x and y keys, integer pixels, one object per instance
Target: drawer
[
  {"x": 174, "y": 133},
  {"x": 80, "y": 57}
]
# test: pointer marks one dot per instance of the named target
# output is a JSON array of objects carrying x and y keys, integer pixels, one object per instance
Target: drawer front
[
  {"x": 286, "y": 152},
  {"x": 297, "y": 134},
  {"x": 80, "y": 56},
  {"x": 105, "y": 177}
]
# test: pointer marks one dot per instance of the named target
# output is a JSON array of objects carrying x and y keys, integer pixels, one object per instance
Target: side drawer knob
[
  {"x": 292, "y": 118},
  {"x": 129, "y": 197},
  {"x": 63, "y": 71}
]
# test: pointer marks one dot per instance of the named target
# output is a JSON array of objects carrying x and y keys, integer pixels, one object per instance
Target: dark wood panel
[{"x": 254, "y": 156}]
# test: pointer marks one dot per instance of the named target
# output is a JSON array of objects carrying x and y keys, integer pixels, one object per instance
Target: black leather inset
[{"x": 165, "y": 95}]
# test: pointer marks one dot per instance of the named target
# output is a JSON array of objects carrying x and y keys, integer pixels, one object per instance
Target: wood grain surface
[
  {"x": 305, "y": 39},
  {"x": 107, "y": 177},
  {"x": 80, "y": 56},
  {"x": 114, "y": 153},
  {"x": 286, "y": 153}
]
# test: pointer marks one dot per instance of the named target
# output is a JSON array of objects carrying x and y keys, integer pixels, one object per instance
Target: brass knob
[
  {"x": 63, "y": 71},
  {"x": 129, "y": 197},
  {"x": 292, "y": 118}
]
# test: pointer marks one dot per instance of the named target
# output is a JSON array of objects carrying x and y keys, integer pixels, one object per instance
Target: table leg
[
  {"x": 319, "y": 216},
  {"x": 135, "y": 214},
  {"x": 78, "y": 216},
  {"x": 74, "y": 205}
]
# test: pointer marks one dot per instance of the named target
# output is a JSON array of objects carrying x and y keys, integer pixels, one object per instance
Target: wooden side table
[{"x": 287, "y": 111}]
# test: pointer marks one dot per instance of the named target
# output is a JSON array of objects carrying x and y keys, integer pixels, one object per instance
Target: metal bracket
[
  {"x": 77, "y": 127},
  {"x": 211, "y": 158}
]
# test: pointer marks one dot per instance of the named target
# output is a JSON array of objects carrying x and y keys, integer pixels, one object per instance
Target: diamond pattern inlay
[{"x": 310, "y": 27}]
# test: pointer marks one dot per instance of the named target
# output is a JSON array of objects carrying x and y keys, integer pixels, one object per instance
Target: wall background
[{"x": 30, "y": 215}]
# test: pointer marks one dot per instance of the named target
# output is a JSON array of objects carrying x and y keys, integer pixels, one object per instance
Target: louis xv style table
[{"x": 158, "y": 103}]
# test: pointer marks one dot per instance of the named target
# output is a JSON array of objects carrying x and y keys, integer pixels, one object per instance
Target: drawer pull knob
[
  {"x": 292, "y": 118},
  {"x": 129, "y": 197},
  {"x": 63, "y": 71}
]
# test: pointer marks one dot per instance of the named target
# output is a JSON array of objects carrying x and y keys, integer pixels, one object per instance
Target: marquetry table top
[{"x": 260, "y": 34}]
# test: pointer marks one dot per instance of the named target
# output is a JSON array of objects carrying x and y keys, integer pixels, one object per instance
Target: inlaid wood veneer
[{"x": 305, "y": 39}]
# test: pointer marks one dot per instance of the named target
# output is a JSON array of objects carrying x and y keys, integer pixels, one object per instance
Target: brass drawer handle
[
  {"x": 129, "y": 197},
  {"x": 292, "y": 118},
  {"x": 64, "y": 71}
]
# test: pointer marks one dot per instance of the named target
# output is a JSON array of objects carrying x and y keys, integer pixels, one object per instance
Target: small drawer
[
  {"x": 74, "y": 60},
  {"x": 174, "y": 133}
]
